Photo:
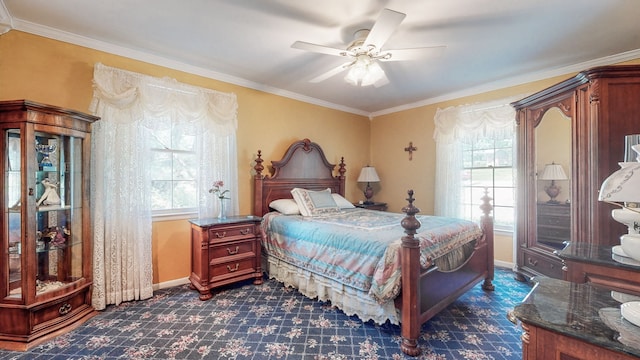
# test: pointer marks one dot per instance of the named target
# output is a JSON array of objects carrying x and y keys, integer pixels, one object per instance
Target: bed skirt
[{"x": 351, "y": 301}]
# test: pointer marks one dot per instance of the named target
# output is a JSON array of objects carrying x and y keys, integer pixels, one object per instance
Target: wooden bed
[{"x": 424, "y": 292}]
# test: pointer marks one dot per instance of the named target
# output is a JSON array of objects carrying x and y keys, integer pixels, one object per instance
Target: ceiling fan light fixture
[{"x": 365, "y": 71}]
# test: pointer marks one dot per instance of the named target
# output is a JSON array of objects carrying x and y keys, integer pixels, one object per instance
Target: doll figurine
[{"x": 50, "y": 196}]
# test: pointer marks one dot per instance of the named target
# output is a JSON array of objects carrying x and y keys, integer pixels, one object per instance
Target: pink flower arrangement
[{"x": 217, "y": 189}]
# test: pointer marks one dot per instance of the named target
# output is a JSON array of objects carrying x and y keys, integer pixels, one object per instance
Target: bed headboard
[{"x": 303, "y": 165}]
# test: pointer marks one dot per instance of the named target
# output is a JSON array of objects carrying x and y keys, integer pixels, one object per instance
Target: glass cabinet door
[
  {"x": 58, "y": 211},
  {"x": 13, "y": 215}
]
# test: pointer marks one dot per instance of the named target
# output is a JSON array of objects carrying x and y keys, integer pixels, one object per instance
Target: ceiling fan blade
[
  {"x": 386, "y": 24},
  {"x": 414, "y": 53},
  {"x": 318, "y": 48},
  {"x": 330, "y": 73}
]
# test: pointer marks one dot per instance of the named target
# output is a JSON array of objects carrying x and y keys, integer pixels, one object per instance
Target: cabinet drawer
[
  {"x": 232, "y": 269},
  {"x": 554, "y": 233},
  {"x": 232, "y": 232},
  {"x": 545, "y": 265},
  {"x": 563, "y": 221},
  {"x": 58, "y": 311},
  {"x": 219, "y": 252}
]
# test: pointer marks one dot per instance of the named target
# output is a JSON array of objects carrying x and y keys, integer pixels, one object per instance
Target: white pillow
[
  {"x": 314, "y": 202},
  {"x": 285, "y": 206},
  {"x": 342, "y": 202}
]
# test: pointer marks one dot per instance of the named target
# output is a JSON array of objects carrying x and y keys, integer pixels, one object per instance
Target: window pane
[
  {"x": 161, "y": 165},
  {"x": 482, "y": 177},
  {"x": 503, "y": 196},
  {"x": 184, "y": 194},
  {"x": 184, "y": 166},
  {"x": 183, "y": 141},
  {"x": 161, "y": 195},
  {"x": 504, "y": 217}
]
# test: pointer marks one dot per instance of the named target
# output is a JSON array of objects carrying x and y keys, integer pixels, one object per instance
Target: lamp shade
[
  {"x": 365, "y": 71},
  {"x": 622, "y": 186},
  {"x": 368, "y": 174},
  {"x": 553, "y": 171}
]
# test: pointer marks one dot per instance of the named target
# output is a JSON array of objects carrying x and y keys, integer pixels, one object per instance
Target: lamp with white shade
[
  {"x": 553, "y": 172},
  {"x": 622, "y": 188},
  {"x": 368, "y": 174}
]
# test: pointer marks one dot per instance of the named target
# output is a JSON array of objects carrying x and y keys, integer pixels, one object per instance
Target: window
[
  {"x": 174, "y": 164},
  {"x": 488, "y": 164},
  {"x": 474, "y": 151}
]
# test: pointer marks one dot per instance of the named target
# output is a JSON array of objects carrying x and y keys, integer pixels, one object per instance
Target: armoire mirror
[{"x": 553, "y": 178}]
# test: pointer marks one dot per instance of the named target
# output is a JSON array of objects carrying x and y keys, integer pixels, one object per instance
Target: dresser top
[{"x": 581, "y": 311}]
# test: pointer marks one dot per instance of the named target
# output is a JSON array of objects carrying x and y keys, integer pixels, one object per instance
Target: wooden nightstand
[
  {"x": 375, "y": 206},
  {"x": 224, "y": 251}
]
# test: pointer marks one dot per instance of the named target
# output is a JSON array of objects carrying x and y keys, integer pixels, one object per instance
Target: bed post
[
  {"x": 257, "y": 185},
  {"x": 341, "y": 177},
  {"x": 487, "y": 228},
  {"x": 410, "y": 268}
]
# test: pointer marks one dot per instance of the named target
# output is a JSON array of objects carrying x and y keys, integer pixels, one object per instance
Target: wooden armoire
[{"x": 601, "y": 106}]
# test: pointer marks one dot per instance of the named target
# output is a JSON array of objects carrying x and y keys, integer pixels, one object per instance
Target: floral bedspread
[{"x": 360, "y": 248}]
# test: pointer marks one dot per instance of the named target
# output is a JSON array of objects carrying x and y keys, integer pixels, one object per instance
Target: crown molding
[
  {"x": 516, "y": 80},
  {"x": 6, "y": 22},
  {"x": 75, "y": 39}
]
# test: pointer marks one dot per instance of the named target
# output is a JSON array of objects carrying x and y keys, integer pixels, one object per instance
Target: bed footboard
[{"x": 425, "y": 293}]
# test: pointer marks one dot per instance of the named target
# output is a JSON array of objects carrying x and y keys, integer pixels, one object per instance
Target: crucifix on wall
[{"x": 410, "y": 149}]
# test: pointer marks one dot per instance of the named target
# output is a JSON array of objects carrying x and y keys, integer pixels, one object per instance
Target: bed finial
[
  {"x": 341, "y": 169},
  {"x": 307, "y": 145},
  {"x": 258, "y": 167},
  {"x": 410, "y": 223}
]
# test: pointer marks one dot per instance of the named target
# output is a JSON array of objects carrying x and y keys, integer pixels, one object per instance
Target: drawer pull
[
  {"x": 231, "y": 252},
  {"x": 533, "y": 262},
  {"x": 245, "y": 231},
  {"x": 221, "y": 235},
  {"x": 64, "y": 309},
  {"x": 233, "y": 269}
]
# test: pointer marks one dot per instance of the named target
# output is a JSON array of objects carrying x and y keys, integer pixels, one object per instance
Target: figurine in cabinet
[{"x": 50, "y": 196}]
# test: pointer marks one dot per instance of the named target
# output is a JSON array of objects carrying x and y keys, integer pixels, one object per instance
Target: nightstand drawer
[
  {"x": 232, "y": 232},
  {"x": 233, "y": 249},
  {"x": 232, "y": 269}
]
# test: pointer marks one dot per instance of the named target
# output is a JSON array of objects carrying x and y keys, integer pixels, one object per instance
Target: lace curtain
[
  {"x": 131, "y": 107},
  {"x": 455, "y": 126}
]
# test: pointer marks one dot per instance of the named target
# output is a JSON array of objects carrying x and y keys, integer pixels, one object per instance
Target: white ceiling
[{"x": 490, "y": 44}]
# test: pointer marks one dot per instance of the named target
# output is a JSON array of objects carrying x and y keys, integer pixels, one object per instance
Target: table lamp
[
  {"x": 622, "y": 188},
  {"x": 553, "y": 172},
  {"x": 368, "y": 174}
]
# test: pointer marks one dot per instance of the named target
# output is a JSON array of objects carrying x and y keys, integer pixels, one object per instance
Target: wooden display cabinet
[{"x": 45, "y": 233}]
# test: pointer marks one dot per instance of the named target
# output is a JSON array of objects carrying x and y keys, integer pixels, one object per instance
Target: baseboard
[
  {"x": 504, "y": 264},
  {"x": 170, "y": 283}
]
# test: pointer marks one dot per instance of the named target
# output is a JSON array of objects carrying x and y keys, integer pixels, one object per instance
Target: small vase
[{"x": 223, "y": 211}]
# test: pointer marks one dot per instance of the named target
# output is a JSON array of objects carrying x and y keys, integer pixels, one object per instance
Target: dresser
[
  {"x": 591, "y": 263},
  {"x": 581, "y": 124},
  {"x": 224, "y": 251},
  {"x": 564, "y": 320},
  {"x": 554, "y": 223}
]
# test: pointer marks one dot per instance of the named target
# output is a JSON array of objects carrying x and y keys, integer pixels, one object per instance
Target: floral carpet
[{"x": 270, "y": 321}]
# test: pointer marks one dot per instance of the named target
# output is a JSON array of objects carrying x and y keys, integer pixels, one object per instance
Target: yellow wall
[{"x": 53, "y": 72}]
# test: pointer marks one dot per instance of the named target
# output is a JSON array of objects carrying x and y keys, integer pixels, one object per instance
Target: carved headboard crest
[{"x": 303, "y": 165}]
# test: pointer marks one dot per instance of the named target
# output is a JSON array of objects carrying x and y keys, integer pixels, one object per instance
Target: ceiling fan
[{"x": 365, "y": 51}]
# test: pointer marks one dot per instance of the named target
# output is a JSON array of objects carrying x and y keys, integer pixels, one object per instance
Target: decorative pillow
[
  {"x": 314, "y": 202},
  {"x": 342, "y": 202},
  {"x": 285, "y": 206}
]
